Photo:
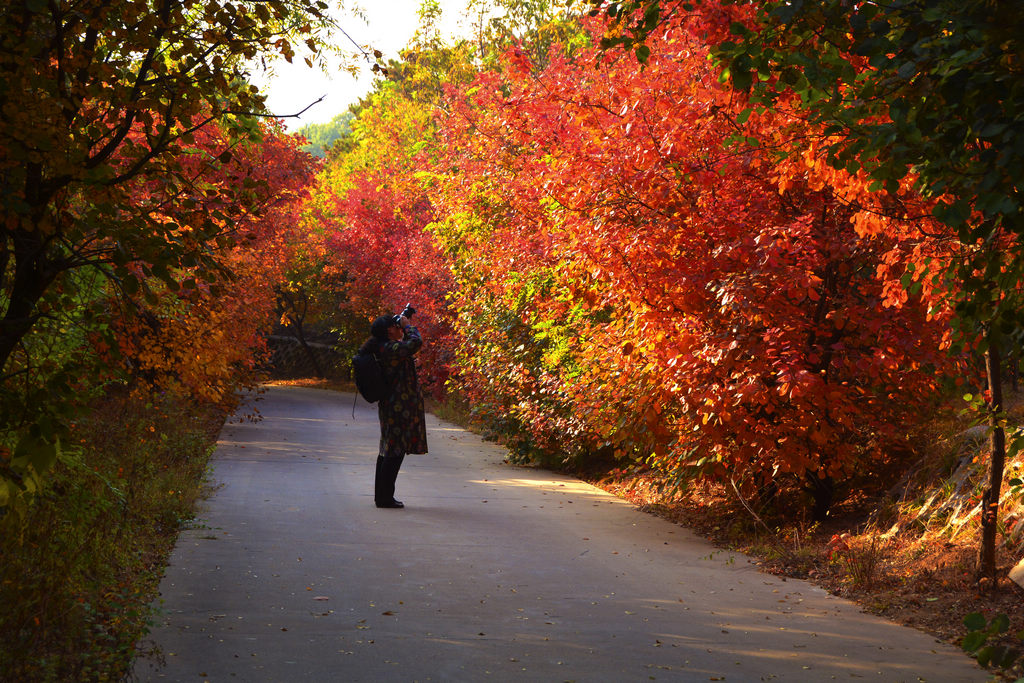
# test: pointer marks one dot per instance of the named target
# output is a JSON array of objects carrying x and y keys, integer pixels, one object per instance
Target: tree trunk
[
  {"x": 990, "y": 500},
  {"x": 1013, "y": 370},
  {"x": 823, "y": 490},
  {"x": 25, "y": 283},
  {"x": 295, "y": 320}
]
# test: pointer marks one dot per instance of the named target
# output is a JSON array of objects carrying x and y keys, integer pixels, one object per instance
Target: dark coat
[{"x": 403, "y": 428}]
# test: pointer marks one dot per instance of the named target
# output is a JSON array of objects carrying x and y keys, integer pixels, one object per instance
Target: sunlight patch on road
[{"x": 554, "y": 485}]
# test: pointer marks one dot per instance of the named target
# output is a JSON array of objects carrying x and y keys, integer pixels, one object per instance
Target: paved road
[{"x": 491, "y": 573}]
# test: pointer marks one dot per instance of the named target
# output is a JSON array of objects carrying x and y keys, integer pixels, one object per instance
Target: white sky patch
[{"x": 388, "y": 27}]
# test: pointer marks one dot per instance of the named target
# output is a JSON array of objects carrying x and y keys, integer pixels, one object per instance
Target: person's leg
[
  {"x": 392, "y": 464},
  {"x": 384, "y": 484},
  {"x": 380, "y": 483}
]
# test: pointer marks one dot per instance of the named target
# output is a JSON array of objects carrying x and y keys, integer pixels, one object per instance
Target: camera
[{"x": 407, "y": 312}]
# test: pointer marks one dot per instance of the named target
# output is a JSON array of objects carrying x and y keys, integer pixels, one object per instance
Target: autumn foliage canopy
[
  {"x": 611, "y": 261},
  {"x": 637, "y": 272}
]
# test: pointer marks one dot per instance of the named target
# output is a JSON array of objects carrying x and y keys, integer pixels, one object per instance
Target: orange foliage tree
[
  {"x": 630, "y": 281},
  {"x": 372, "y": 211},
  {"x": 203, "y": 337},
  {"x": 375, "y": 197},
  {"x": 917, "y": 91}
]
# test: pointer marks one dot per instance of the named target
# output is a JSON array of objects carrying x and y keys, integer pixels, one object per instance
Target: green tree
[
  {"x": 99, "y": 105},
  {"x": 533, "y": 25},
  {"x": 322, "y": 135}
]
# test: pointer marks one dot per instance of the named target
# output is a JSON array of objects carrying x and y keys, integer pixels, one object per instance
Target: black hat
[{"x": 380, "y": 326}]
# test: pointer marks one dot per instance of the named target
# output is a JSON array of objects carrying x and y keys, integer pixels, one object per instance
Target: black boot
[
  {"x": 378, "y": 482},
  {"x": 384, "y": 481},
  {"x": 392, "y": 466}
]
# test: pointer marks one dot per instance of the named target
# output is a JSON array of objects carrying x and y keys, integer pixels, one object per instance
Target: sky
[{"x": 388, "y": 27}]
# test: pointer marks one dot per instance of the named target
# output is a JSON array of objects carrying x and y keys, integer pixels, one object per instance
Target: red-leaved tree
[{"x": 632, "y": 280}]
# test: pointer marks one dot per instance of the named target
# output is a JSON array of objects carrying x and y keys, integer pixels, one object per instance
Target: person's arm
[{"x": 411, "y": 340}]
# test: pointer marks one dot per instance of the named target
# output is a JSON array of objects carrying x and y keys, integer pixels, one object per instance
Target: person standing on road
[{"x": 403, "y": 427}]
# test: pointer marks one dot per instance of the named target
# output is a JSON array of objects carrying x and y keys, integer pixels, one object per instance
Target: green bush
[
  {"x": 79, "y": 570},
  {"x": 981, "y": 641}
]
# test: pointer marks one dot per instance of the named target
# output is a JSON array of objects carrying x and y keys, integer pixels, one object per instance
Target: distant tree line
[{"x": 320, "y": 136}]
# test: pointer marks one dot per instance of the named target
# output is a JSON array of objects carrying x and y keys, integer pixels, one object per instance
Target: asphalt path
[{"x": 491, "y": 573}]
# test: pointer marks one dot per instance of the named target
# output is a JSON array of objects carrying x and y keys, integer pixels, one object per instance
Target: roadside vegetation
[
  {"x": 147, "y": 211},
  {"x": 79, "y": 569}
]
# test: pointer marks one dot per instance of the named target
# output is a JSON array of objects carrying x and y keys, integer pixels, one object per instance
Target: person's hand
[{"x": 403, "y": 321}]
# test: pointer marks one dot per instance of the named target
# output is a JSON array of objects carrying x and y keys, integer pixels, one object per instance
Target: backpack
[{"x": 369, "y": 377}]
